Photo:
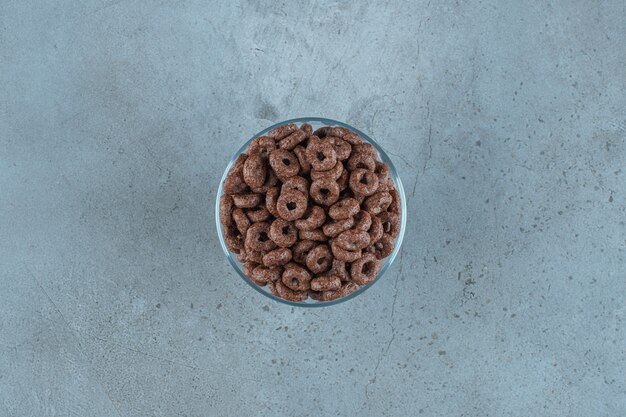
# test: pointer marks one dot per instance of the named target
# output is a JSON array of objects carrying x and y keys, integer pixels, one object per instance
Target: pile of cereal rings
[{"x": 310, "y": 214}]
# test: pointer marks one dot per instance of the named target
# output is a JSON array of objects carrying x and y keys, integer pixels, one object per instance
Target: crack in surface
[{"x": 384, "y": 352}]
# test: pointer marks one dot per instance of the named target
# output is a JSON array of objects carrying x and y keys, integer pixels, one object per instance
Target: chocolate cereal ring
[
  {"x": 322, "y": 132},
  {"x": 326, "y": 283},
  {"x": 343, "y": 180},
  {"x": 262, "y": 146},
  {"x": 352, "y": 138},
  {"x": 292, "y": 140},
  {"x": 396, "y": 205},
  {"x": 282, "y": 131},
  {"x": 363, "y": 182},
  {"x": 353, "y": 240},
  {"x": 250, "y": 200},
  {"x": 296, "y": 277},
  {"x": 234, "y": 182},
  {"x": 324, "y": 192},
  {"x": 284, "y": 163},
  {"x": 321, "y": 155},
  {"x": 296, "y": 183},
  {"x": 316, "y": 235},
  {"x": 254, "y": 171},
  {"x": 391, "y": 223},
  {"x": 301, "y": 250},
  {"x": 338, "y": 226},
  {"x": 344, "y": 209},
  {"x": 364, "y": 270},
  {"x": 376, "y": 229},
  {"x": 319, "y": 259},
  {"x": 258, "y": 215},
  {"x": 287, "y": 293},
  {"x": 271, "y": 196},
  {"x": 226, "y": 209},
  {"x": 346, "y": 289},
  {"x": 258, "y": 239},
  {"x": 248, "y": 267},
  {"x": 233, "y": 238},
  {"x": 361, "y": 160},
  {"x": 305, "y": 166},
  {"x": 332, "y": 174},
  {"x": 338, "y": 268},
  {"x": 377, "y": 203},
  {"x": 363, "y": 221},
  {"x": 277, "y": 257},
  {"x": 307, "y": 129},
  {"x": 365, "y": 148},
  {"x": 314, "y": 217},
  {"x": 342, "y": 148},
  {"x": 291, "y": 205},
  {"x": 264, "y": 274},
  {"x": 382, "y": 171},
  {"x": 283, "y": 233},
  {"x": 241, "y": 221},
  {"x": 270, "y": 181},
  {"x": 384, "y": 247},
  {"x": 343, "y": 254}
]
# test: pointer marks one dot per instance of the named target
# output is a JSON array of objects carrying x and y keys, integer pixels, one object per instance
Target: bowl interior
[{"x": 315, "y": 122}]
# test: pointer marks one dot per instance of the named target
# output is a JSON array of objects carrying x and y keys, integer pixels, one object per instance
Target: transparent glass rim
[{"x": 388, "y": 261}]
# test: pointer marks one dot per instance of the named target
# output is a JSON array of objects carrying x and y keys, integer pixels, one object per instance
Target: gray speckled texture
[{"x": 506, "y": 120}]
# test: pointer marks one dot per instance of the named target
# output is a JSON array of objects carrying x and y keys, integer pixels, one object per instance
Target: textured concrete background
[{"x": 507, "y": 121}]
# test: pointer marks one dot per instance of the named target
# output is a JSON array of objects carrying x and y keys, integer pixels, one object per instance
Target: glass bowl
[{"x": 315, "y": 122}]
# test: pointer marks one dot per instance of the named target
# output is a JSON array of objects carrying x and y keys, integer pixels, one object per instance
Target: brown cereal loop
[
  {"x": 250, "y": 200},
  {"x": 282, "y": 131},
  {"x": 305, "y": 166},
  {"x": 283, "y": 233},
  {"x": 352, "y": 138},
  {"x": 339, "y": 268},
  {"x": 338, "y": 226},
  {"x": 321, "y": 155},
  {"x": 233, "y": 238},
  {"x": 226, "y": 209},
  {"x": 326, "y": 283},
  {"x": 365, "y": 148},
  {"x": 257, "y": 238},
  {"x": 363, "y": 221},
  {"x": 296, "y": 277},
  {"x": 344, "y": 209},
  {"x": 322, "y": 132},
  {"x": 292, "y": 140},
  {"x": 342, "y": 148},
  {"x": 324, "y": 192},
  {"x": 314, "y": 217},
  {"x": 287, "y": 293},
  {"x": 319, "y": 259},
  {"x": 332, "y": 174},
  {"x": 364, "y": 270},
  {"x": 248, "y": 267},
  {"x": 291, "y": 204},
  {"x": 296, "y": 183},
  {"x": 259, "y": 215},
  {"x": 234, "y": 182},
  {"x": 343, "y": 180},
  {"x": 363, "y": 182},
  {"x": 241, "y": 220},
  {"x": 265, "y": 274},
  {"x": 306, "y": 128},
  {"x": 376, "y": 230},
  {"x": 251, "y": 255},
  {"x": 396, "y": 204},
  {"x": 301, "y": 250},
  {"x": 343, "y": 254},
  {"x": 382, "y": 170},
  {"x": 338, "y": 131},
  {"x": 384, "y": 247},
  {"x": 353, "y": 240},
  {"x": 270, "y": 181},
  {"x": 254, "y": 171},
  {"x": 277, "y": 257},
  {"x": 377, "y": 203},
  {"x": 360, "y": 160},
  {"x": 391, "y": 223},
  {"x": 316, "y": 235},
  {"x": 262, "y": 146},
  {"x": 271, "y": 196},
  {"x": 284, "y": 163},
  {"x": 346, "y": 289}
]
